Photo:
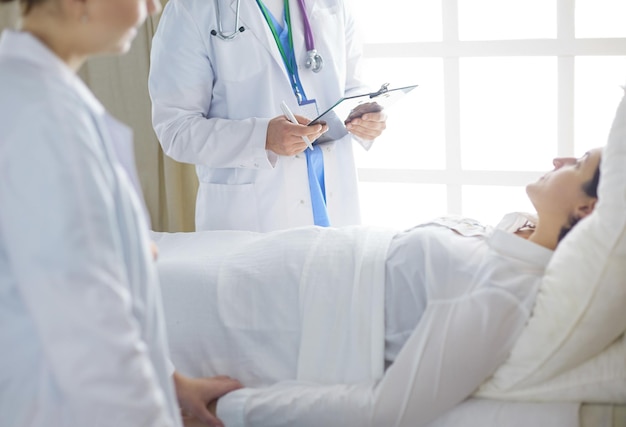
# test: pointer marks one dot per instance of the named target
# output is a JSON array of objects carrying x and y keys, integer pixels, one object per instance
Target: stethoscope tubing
[
  {"x": 314, "y": 60},
  {"x": 308, "y": 33}
]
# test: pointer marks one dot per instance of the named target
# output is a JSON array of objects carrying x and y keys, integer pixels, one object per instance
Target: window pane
[
  {"x": 600, "y": 18},
  {"x": 399, "y": 21},
  {"x": 401, "y": 205},
  {"x": 488, "y": 204},
  {"x": 508, "y": 113},
  {"x": 597, "y": 93},
  {"x": 507, "y": 19},
  {"x": 414, "y": 138}
]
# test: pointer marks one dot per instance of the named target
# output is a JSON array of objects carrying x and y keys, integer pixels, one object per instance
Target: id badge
[{"x": 308, "y": 109}]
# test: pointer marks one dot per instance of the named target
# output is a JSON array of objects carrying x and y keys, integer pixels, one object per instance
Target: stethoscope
[{"x": 314, "y": 60}]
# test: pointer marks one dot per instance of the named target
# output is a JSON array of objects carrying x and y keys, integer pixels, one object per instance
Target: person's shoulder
[
  {"x": 24, "y": 84},
  {"x": 18, "y": 81},
  {"x": 38, "y": 110}
]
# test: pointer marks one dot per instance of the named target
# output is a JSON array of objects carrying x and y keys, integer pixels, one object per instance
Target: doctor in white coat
[
  {"x": 216, "y": 104},
  {"x": 81, "y": 324}
]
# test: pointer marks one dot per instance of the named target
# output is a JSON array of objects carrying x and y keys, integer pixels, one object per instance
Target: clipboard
[{"x": 352, "y": 107}]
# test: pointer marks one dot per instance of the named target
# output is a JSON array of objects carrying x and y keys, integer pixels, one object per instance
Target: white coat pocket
[{"x": 226, "y": 207}]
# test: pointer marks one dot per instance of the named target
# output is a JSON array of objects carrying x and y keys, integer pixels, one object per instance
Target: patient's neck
[
  {"x": 525, "y": 233},
  {"x": 545, "y": 234}
]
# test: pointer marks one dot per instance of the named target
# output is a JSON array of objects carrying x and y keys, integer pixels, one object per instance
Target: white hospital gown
[{"x": 458, "y": 295}]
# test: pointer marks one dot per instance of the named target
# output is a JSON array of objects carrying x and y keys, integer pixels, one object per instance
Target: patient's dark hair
[
  {"x": 591, "y": 189},
  {"x": 27, "y": 5}
]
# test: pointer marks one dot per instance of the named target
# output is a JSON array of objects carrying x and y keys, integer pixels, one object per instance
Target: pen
[{"x": 287, "y": 112}]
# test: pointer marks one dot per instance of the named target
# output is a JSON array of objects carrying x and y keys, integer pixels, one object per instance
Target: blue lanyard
[{"x": 285, "y": 46}]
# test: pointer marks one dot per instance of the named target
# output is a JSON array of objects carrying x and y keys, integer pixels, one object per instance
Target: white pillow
[
  {"x": 581, "y": 305},
  {"x": 602, "y": 379}
]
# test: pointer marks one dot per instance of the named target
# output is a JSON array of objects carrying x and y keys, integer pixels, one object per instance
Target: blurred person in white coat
[
  {"x": 81, "y": 324},
  {"x": 219, "y": 72}
]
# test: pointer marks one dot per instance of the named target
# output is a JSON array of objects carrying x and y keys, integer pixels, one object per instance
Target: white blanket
[{"x": 337, "y": 302}]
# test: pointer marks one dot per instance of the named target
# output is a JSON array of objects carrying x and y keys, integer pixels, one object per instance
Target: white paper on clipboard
[{"x": 351, "y": 107}]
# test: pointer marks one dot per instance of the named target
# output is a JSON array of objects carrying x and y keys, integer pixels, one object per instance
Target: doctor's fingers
[
  {"x": 216, "y": 387},
  {"x": 313, "y": 131},
  {"x": 288, "y": 146},
  {"x": 293, "y": 146},
  {"x": 369, "y": 126},
  {"x": 373, "y": 121},
  {"x": 205, "y": 392},
  {"x": 282, "y": 126},
  {"x": 366, "y": 130},
  {"x": 285, "y": 138},
  {"x": 379, "y": 116}
]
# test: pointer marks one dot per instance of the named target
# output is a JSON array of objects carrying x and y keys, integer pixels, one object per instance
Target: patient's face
[{"x": 559, "y": 193}]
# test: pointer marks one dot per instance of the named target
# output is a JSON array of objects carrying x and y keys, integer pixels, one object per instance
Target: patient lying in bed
[{"x": 308, "y": 318}]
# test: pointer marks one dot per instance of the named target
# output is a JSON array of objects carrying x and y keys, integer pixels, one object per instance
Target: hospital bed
[{"x": 185, "y": 269}]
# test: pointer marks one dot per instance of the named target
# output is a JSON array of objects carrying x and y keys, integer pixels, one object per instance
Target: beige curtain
[
  {"x": 8, "y": 15},
  {"x": 121, "y": 84}
]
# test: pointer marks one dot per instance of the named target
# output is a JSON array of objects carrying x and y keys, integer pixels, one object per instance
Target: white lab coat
[
  {"x": 457, "y": 296},
  {"x": 212, "y": 101},
  {"x": 81, "y": 325}
]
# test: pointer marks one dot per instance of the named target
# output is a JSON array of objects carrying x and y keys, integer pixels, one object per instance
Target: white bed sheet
[{"x": 475, "y": 412}]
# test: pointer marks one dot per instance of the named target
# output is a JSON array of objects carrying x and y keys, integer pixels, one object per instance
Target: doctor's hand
[
  {"x": 154, "y": 250},
  {"x": 195, "y": 394},
  {"x": 369, "y": 126},
  {"x": 285, "y": 138}
]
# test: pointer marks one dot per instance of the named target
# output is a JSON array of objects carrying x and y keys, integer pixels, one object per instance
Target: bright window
[
  {"x": 508, "y": 112},
  {"x": 600, "y": 18},
  {"x": 412, "y": 203},
  {"x": 490, "y": 203},
  {"x": 504, "y": 86},
  {"x": 506, "y": 19},
  {"x": 399, "y": 21},
  {"x": 596, "y": 96}
]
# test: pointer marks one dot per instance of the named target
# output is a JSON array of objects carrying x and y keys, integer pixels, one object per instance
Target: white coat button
[
  {"x": 301, "y": 202},
  {"x": 256, "y": 165},
  {"x": 328, "y": 149},
  {"x": 297, "y": 156}
]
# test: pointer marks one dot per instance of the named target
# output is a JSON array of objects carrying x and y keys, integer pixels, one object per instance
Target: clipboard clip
[{"x": 383, "y": 89}]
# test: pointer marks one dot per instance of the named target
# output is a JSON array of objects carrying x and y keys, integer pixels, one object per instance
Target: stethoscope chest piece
[{"x": 314, "y": 61}]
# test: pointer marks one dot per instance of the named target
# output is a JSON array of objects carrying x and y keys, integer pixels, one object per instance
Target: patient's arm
[{"x": 455, "y": 347}]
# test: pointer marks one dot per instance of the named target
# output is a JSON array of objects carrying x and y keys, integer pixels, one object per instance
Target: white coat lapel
[
  {"x": 121, "y": 140},
  {"x": 297, "y": 29},
  {"x": 252, "y": 20},
  {"x": 117, "y": 140}
]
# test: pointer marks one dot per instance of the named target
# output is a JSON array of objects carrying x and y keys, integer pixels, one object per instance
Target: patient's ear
[{"x": 586, "y": 208}]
